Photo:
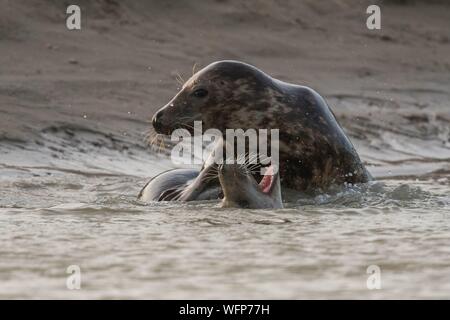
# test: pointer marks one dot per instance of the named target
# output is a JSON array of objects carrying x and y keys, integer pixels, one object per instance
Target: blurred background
[{"x": 122, "y": 65}]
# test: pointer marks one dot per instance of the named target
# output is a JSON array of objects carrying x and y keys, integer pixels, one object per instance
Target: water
[{"x": 75, "y": 209}]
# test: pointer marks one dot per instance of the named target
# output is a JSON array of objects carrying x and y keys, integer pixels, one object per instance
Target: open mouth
[{"x": 267, "y": 180}]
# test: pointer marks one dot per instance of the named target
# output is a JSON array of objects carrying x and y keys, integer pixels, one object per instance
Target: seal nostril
[{"x": 156, "y": 121}]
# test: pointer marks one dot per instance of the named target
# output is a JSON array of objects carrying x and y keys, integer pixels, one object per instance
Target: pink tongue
[{"x": 266, "y": 181}]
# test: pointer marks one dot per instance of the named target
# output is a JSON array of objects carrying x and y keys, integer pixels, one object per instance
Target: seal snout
[{"x": 156, "y": 121}]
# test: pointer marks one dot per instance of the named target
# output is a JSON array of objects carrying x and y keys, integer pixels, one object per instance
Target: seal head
[
  {"x": 314, "y": 151},
  {"x": 221, "y": 96}
]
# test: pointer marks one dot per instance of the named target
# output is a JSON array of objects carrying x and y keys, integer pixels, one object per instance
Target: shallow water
[{"x": 52, "y": 217}]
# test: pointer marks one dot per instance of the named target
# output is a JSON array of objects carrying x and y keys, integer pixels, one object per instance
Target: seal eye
[
  {"x": 200, "y": 93},
  {"x": 243, "y": 204}
]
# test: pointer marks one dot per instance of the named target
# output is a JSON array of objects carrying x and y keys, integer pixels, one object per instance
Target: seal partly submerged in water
[
  {"x": 233, "y": 182},
  {"x": 238, "y": 188},
  {"x": 314, "y": 151}
]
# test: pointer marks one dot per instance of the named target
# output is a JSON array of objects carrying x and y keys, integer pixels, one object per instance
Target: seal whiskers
[{"x": 314, "y": 152}]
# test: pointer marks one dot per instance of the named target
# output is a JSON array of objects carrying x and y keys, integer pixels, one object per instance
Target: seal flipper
[{"x": 206, "y": 186}]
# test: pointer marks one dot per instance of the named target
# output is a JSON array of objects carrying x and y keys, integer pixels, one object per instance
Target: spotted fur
[{"x": 314, "y": 150}]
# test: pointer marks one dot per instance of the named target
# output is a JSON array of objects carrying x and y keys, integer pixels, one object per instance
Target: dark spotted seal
[
  {"x": 314, "y": 154},
  {"x": 234, "y": 183}
]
